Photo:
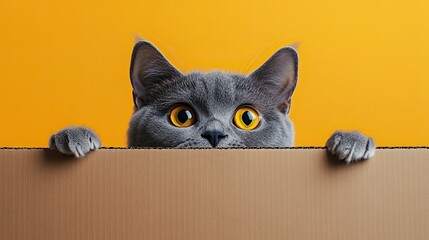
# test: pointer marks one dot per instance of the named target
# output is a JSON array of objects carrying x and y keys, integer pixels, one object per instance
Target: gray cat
[{"x": 214, "y": 109}]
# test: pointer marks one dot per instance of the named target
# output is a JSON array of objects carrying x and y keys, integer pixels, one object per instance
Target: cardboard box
[{"x": 219, "y": 194}]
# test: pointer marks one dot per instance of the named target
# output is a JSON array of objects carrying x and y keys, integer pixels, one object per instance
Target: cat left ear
[
  {"x": 148, "y": 68},
  {"x": 279, "y": 76}
]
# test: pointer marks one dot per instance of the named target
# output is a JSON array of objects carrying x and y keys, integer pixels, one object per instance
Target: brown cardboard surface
[{"x": 235, "y": 194}]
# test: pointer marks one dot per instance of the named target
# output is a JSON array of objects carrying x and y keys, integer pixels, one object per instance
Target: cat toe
[
  {"x": 93, "y": 139},
  {"x": 79, "y": 147}
]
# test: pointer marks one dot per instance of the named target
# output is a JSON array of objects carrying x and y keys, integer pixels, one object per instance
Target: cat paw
[
  {"x": 76, "y": 141},
  {"x": 350, "y": 146}
]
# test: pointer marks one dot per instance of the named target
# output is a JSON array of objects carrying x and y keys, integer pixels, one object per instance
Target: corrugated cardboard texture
[{"x": 213, "y": 194}]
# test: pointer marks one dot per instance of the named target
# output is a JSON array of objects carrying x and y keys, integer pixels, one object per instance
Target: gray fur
[{"x": 214, "y": 96}]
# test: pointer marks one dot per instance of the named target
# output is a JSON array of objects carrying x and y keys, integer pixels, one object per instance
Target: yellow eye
[
  {"x": 246, "y": 118},
  {"x": 182, "y": 116}
]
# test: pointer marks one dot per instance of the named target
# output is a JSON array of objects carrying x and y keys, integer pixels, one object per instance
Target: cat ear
[
  {"x": 148, "y": 68},
  {"x": 279, "y": 76}
]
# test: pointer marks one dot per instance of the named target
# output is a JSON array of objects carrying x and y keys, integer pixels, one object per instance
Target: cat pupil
[
  {"x": 183, "y": 115},
  {"x": 247, "y": 117}
]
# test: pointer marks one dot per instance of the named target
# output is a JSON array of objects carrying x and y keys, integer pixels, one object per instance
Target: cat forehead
[
  {"x": 215, "y": 77},
  {"x": 216, "y": 82},
  {"x": 220, "y": 86},
  {"x": 214, "y": 88}
]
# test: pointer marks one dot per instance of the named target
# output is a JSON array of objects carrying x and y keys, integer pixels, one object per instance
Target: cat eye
[
  {"x": 182, "y": 116},
  {"x": 246, "y": 118}
]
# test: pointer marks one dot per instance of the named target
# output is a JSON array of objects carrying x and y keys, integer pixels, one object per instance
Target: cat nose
[{"x": 213, "y": 137}]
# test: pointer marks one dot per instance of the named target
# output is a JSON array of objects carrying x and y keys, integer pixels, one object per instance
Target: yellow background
[{"x": 363, "y": 64}]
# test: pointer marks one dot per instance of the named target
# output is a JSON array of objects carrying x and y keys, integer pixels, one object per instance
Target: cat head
[{"x": 213, "y": 109}]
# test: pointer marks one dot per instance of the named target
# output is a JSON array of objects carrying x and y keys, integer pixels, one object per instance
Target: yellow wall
[{"x": 363, "y": 64}]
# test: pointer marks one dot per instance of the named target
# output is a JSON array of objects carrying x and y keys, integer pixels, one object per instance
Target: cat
[{"x": 212, "y": 110}]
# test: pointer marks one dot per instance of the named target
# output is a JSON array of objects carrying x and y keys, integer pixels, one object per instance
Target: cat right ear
[
  {"x": 279, "y": 76},
  {"x": 148, "y": 68}
]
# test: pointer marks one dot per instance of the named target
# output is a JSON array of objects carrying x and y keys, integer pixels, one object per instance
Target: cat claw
[
  {"x": 350, "y": 146},
  {"x": 77, "y": 141}
]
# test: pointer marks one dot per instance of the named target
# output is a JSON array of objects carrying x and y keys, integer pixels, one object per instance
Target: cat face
[{"x": 213, "y": 109}]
